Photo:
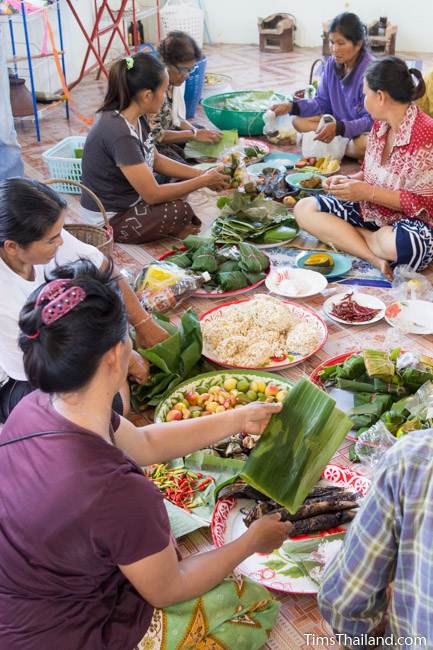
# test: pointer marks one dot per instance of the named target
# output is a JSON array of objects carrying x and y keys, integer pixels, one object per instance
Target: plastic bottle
[{"x": 170, "y": 297}]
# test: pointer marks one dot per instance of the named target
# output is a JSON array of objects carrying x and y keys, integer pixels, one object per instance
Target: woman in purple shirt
[
  {"x": 340, "y": 91},
  {"x": 87, "y": 558}
]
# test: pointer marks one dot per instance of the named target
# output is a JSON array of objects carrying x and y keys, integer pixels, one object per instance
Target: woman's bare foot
[{"x": 384, "y": 267}]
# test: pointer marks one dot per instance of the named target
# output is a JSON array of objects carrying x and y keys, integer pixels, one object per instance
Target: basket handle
[
  {"x": 54, "y": 181},
  {"x": 313, "y": 67}
]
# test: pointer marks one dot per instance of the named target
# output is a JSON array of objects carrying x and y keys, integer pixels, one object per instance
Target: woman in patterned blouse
[
  {"x": 384, "y": 213},
  {"x": 180, "y": 53}
]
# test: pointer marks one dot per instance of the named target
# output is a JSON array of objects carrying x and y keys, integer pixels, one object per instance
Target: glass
[{"x": 183, "y": 69}]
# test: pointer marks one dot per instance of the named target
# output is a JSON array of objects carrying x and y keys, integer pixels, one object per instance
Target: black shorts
[{"x": 13, "y": 392}]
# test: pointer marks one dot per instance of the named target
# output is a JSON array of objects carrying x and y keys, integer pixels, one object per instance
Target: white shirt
[{"x": 14, "y": 292}]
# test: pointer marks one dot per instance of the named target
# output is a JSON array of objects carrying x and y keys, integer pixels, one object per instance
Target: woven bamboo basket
[{"x": 100, "y": 237}]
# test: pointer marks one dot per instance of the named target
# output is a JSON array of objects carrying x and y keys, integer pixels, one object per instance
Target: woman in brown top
[{"x": 119, "y": 160}]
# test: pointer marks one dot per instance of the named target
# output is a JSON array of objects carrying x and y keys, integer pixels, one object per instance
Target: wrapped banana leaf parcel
[{"x": 296, "y": 445}]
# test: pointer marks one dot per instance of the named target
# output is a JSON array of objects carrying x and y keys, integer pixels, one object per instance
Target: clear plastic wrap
[
  {"x": 373, "y": 444},
  {"x": 409, "y": 285}
]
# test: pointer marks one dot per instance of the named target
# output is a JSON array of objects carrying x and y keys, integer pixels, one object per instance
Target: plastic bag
[
  {"x": 279, "y": 128},
  {"x": 158, "y": 276},
  {"x": 313, "y": 148},
  {"x": 373, "y": 444},
  {"x": 409, "y": 285}
]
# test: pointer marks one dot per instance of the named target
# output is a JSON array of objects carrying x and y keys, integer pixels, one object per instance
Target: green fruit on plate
[
  {"x": 252, "y": 395},
  {"x": 243, "y": 385}
]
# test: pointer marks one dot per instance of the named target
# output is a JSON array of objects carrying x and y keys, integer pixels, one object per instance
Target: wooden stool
[{"x": 276, "y": 33}]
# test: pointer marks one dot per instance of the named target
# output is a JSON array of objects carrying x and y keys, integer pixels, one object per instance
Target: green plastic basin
[{"x": 246, "y": 122}]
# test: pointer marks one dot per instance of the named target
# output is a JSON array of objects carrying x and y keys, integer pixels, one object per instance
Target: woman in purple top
[
  {"x": 87, "y": 558},
  {"x": 340, "y": 91}
]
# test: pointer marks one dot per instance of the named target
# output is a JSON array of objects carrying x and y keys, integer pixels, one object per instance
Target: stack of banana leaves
[
  {"x": 258, "y": 219},
  {"x": 395, "y": 387},
  {"x": 230, "y": 267}
]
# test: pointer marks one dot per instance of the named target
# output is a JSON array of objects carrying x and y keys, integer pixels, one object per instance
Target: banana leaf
[
  {"x": 414, "y": 379},
  {"x": 254, "y": 277},
  {"x": 228, "y": 266},
  {"x": 352, "y": 368},
  {"x": 354, "y": 386},
  {"x": 280, "y": 233},
  {"x": 172, "y": 361},
  {"x": 195, "y": 149},
  {"x": 232, "y": 280},
  {"x": 252, "y": 260},
  {"x": 378, "y": 363},
  {"x": 204, "y": 259},
  {"x": 296, "y": 445},
  {"x": 376, "y": 405},
  {"x": 183, "y": 260},
  {"x": 194, "y": 242}
]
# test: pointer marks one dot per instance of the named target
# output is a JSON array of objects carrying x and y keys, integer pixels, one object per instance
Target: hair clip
[
  {"x": 129, "y": 62},
  {"x": 62, "y": 305},
  {"x": 52, "y": 290}
]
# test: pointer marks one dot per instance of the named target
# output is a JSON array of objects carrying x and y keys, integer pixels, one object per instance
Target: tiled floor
[{"x": 249, "y": 69}]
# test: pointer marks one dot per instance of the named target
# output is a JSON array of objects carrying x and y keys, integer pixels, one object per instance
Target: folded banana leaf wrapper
[
  {"x": 296, "y": 446},
  {"x": 198, "y": 150},
  {"x": 230, "y": 267},
  {"x": 256, "y": 218},
  {"x": 172, "y": 361}
]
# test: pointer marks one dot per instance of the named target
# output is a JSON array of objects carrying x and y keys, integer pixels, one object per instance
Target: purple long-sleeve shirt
[{"x": 342, "y": 97}]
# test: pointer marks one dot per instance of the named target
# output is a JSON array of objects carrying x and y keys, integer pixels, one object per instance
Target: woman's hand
[
  {"x": 139, "y": 368},
  {"x": 327, "y": 133},
  {"x": 205, "y": 135},
  {"x": 268, "y": 533},
  {"x": 215, "y": 180},
  {"x": 329, "y": 183},
  {"x": 282, "y": 109},
  {"x": 149, "y": 333},
  {"x": 352, "y": 190},
  {"x": 254, "y": 417}
]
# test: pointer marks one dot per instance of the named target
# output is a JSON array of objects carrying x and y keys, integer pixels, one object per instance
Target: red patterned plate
[
  {"x": 276, "y": 570},
  {"x": 281, "y": 362},
  {"x": 201, "y": 293}
]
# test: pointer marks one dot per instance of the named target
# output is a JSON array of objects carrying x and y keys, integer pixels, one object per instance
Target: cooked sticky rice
[{"x": 250, "y": 333}]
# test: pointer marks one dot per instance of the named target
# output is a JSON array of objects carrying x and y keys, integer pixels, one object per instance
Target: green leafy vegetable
[
  {"x": 228, "y": 266},
  {"x": 280, "y": 234},
  {"x": 194, "y": 242}
]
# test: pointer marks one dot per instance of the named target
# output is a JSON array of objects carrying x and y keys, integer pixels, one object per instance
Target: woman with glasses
[
  {"x": 119, "y": 160},
  {"x": 180, "y": 53}
]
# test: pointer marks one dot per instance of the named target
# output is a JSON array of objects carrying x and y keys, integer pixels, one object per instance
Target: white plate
[
  {"x": 276, "y": 570},
  {"x": 363, "y": 299},
  {"x": 295, "y": 283},
  {"x": 411, "y": 316}
]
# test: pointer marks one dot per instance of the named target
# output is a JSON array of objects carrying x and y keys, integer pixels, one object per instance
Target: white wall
[{"x": 235, "y": 21}]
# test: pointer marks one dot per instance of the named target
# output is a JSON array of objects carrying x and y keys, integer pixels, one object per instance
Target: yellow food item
[
  {"x": 319, "y": 259},
  {"x": 327, "y": 165},
  {"x": 158, "y": 277},
  {"x": 290, "y": 201}
]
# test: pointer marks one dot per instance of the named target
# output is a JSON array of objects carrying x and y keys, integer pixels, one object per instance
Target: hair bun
[{"x": 420, "y": 87}]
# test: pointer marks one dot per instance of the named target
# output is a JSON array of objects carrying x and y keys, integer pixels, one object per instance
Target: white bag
[
  {"x": 183, "y": 15},
  {"x": 281, "y": 126},
  {"x": 313, "y": 148}
]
